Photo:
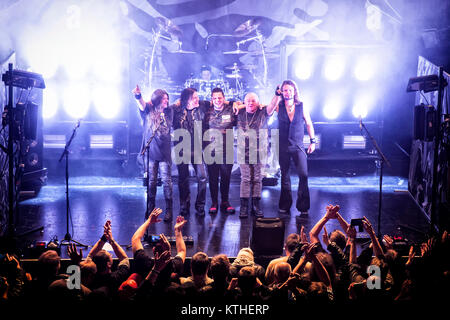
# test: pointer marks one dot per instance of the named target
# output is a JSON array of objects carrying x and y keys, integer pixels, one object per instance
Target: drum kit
[{"x": 233, "y": 75}]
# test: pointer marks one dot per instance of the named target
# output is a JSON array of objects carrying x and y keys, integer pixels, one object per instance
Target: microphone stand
[
  {"x": 382, "y": 160},
  {"x": 68, "y": 238},
  {"x": 144, "y": 150}
]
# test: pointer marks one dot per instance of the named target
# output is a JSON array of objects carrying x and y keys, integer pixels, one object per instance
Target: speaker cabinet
[{"x": 267, "y": 237}]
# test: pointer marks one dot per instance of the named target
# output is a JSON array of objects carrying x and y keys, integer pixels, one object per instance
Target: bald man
[{"x": 250, "y": 120}]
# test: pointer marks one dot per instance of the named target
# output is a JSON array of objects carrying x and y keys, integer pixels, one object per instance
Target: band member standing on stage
[
  {"x": 157, "y": 120},
  {"x": 292, "y": 117},
  {"x": 252, "y": 117},
  {"x": 186, "y": 115},
  {"x": 220, "y": 116}
]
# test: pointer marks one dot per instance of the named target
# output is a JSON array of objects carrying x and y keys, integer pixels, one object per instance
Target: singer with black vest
[
  {"x": 157, "y": 120},
  {"x": 292, "y": 119}
]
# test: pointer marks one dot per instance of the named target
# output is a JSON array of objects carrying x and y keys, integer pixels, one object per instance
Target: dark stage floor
[{"x": 95, "y": 199}]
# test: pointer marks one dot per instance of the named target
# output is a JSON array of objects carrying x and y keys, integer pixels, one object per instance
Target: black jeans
[
  {"x": 301, "y": 168},
  {"x": 183, "y": 186},
  {"x": 166, "y": 177},
  {"x": 224, "y": 172}
]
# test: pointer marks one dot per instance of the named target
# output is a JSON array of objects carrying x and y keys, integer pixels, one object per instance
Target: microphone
[
  {"x": 360, "y": 123},
  {"x": 163, "y": 119}
]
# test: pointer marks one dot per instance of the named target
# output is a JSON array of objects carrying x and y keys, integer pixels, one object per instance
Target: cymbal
[
  {"x": 233, "y": 76},
  {"x": 183, "y": 51},
  {"x": 247, "y": 27},
  {"x": 168, "y": 26},
  {"x": 268, "y": 55},
  {"x": 233, "y": 67},
  {"x": 235, "y": 52}
]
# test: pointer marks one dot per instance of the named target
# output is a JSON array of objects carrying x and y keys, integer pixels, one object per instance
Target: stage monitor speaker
[
  {"x": 267, "y": 237},
  {"x": 424, "y": 122}
]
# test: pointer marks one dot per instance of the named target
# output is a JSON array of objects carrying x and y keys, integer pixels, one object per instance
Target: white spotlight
[
  {"x": 359, "y": 111},
  {"x": 334, "y": 67},
  {"x": 365, "y": 68},
  {"x": 49, "y": 103},
  {"x": 107, "y": 101},
  {"x": 76, "y": 100},
  {"x": 362, "y": 103},
  {"x": 331, "y": 109}
]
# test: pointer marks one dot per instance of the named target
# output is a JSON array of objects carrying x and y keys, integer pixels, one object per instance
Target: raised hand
[
  {"x": 389, "y": 242},
  {"x": 303, "y": 236},
  {"x": 153, "y": 217},
  {"x": 161, "y": 260},
  {"x": 179, "y": 223},
  {"x": 165, "y": 243},
  {"x": 309, "y": 252},
  {"x": 107, "y": 231},
  {"x": 73, "y": 254},
  {"x": 411, "y": 255},
  {"x": 368, "y": 226},
  {"x": 332, "y": 211},
  {"x": 136, "y": 90}
]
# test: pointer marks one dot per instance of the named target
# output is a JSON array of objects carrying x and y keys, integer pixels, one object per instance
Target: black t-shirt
[
  {"x": 160, "y": 147},
  {"x": 111, "y": 280},
  {"x": 220, "y": 120}
]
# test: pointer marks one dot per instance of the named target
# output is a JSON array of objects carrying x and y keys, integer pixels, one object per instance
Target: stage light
[
  {"x": 359, "y": 111},
  {"x": 54, "y": 141},
  {"x": 362, "y": 103},
  {"x": 49, "y": 103},
  {"x": 334, "y": 67},
  {"x": 106, "y": 101},
  {"x": 101, "y": 141},
  {"x": 332, "y": 108},
  {"x": 365, "y": 68},
  {"x": 76, "y": 100},
  {"x": 353, "y": 142},
  {"x": 304, "y": 67}
]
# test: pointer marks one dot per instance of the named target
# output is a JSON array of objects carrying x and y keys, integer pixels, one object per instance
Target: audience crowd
[{"x": 315, "y": 269}]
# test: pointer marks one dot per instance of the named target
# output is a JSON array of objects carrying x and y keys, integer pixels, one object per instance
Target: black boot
[
  {"x": 243, "y": 212},
  {"x": 256, "y": 208},
  {"x": 168, "y": 215}
]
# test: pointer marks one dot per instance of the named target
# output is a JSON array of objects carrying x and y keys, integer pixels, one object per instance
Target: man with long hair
[
  {"x": 292, "y": 117},
  {"x": 188, "y": 116},
  {"x": 157, "y": 120}
]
